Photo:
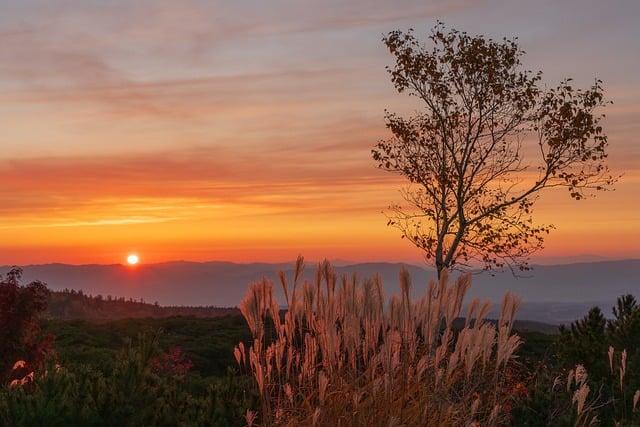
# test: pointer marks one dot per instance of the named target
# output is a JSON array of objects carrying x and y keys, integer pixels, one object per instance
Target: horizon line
[{"x": 338, "y": 263}]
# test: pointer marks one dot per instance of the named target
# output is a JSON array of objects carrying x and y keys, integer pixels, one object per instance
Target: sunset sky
[{"x": 241, "y": 130}]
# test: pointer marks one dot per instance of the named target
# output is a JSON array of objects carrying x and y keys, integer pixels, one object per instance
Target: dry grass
[
  {"x": 343, "y": 356},
  {"x": 586, "y": 404}
]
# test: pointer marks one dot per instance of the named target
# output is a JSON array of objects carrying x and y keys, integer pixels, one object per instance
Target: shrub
[
  {"x": 133, "y": 394},
  {"x": 585, "y": 342},
  {"x": 565, "y": 395},
  {"x": 20, "y": 335},
  {"x": 341, "y": 356}
]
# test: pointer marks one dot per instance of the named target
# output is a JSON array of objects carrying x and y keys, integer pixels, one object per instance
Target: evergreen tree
[
  {"x": 624, "y": 329},
  {"x": 585, "y": 342}
]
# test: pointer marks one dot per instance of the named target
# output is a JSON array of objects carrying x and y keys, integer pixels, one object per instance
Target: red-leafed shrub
[
  {"x": 173, "y": 362},
  {"x": 20, "y": 335}
]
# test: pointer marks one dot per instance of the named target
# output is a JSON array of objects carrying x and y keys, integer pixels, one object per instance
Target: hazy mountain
[
  {"x": 552, "y": 293},
  {"x": 573, "y": 259}
]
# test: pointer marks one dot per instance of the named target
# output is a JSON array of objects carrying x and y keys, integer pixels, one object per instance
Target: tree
[
  {"x": 471, "y": 190},
  {"x": 624, "y": 334},
  {"x": 20, "y": 307},
  {"x": 624, "y": 328},
  {"x": 585, "y": 342},
  {"x": 598, "y": 344}
]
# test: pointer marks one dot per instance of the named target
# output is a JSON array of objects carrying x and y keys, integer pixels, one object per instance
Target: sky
[{"x": 241, "y": 130}]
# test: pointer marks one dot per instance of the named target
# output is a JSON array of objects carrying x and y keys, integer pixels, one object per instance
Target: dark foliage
[
  {"x": 132, "y": 394},
  {"x": 207, "y": 342},
  {"x": 72, "y": 304},
  {"x": 20, "y": 336},
  {"x": 585, "y": 342}
]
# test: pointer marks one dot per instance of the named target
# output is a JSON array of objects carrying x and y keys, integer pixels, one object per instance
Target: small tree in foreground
[
  {"x": 20, "y": 335},
  {"x": 489, "y": 139}
]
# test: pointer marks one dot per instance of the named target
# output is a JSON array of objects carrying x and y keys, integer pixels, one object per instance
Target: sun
[{"x": 133, "y": 259}]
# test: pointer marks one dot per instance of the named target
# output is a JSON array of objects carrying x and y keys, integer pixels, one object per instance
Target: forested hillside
[{"x": 71, "y": 304}]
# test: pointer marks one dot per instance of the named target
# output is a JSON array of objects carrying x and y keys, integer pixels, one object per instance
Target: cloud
[
  {"x": 178, "y": 60},
  {"x": 166, "y": 186},
  {"x": 32, "y": 59},
  {"x": 38, "y": 70},
  {"x": 94, "y": 223},
  {"x": 201, "y": 98}
]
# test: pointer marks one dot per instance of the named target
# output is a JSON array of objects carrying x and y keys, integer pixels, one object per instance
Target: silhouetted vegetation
[
  {"x": 604, "y": 355},
  {"x": 484, "y": 118},
  {"x": 20, "y": 335}
]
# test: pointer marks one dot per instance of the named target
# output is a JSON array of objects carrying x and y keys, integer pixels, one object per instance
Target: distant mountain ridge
[
  {"x": 72, "y": 305},
  {"x": 553, "y": 293}
]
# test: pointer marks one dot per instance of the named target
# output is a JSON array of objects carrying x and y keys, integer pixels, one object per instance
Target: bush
[
  {"x": 596, "y": 376},
  {"x": 20, "y": 334},
  {"x": 133, "y": 394}
]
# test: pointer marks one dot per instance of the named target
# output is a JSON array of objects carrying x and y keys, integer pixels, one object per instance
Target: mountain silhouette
[{"x": 552, "y": 293}]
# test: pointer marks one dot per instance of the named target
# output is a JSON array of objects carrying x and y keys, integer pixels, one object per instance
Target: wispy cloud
[
  {"x": 94, "y": 223},
  {"x": 182, "y": 184}
]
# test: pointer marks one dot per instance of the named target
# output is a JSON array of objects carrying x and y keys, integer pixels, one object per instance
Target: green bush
[
  {"x": 609, "y": 352},
  {"x": 130, "y": 395}
]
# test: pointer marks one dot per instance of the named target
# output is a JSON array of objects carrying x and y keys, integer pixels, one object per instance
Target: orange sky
[{"x": 241, "y": 131}]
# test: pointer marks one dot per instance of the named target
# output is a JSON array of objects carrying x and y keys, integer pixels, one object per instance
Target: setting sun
[{"x": 133, "y": 259}]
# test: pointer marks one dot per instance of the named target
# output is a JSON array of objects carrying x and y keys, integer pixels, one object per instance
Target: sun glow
[{"x": 133, "y": 259}]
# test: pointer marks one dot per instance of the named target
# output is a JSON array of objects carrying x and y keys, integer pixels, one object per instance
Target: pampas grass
[{"x": 341, "y": 355}]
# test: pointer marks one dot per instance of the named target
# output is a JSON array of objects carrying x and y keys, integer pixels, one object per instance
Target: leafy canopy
[{"x": 489, "y": 137}]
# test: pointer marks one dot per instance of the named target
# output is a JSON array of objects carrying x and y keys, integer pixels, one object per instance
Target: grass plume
[{"x": 342, "y": 355}]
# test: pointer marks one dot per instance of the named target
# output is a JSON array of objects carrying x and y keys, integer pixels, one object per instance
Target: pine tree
[
  {"x": 624, "y": 329},
  {"x": 585, "y": 342}
]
